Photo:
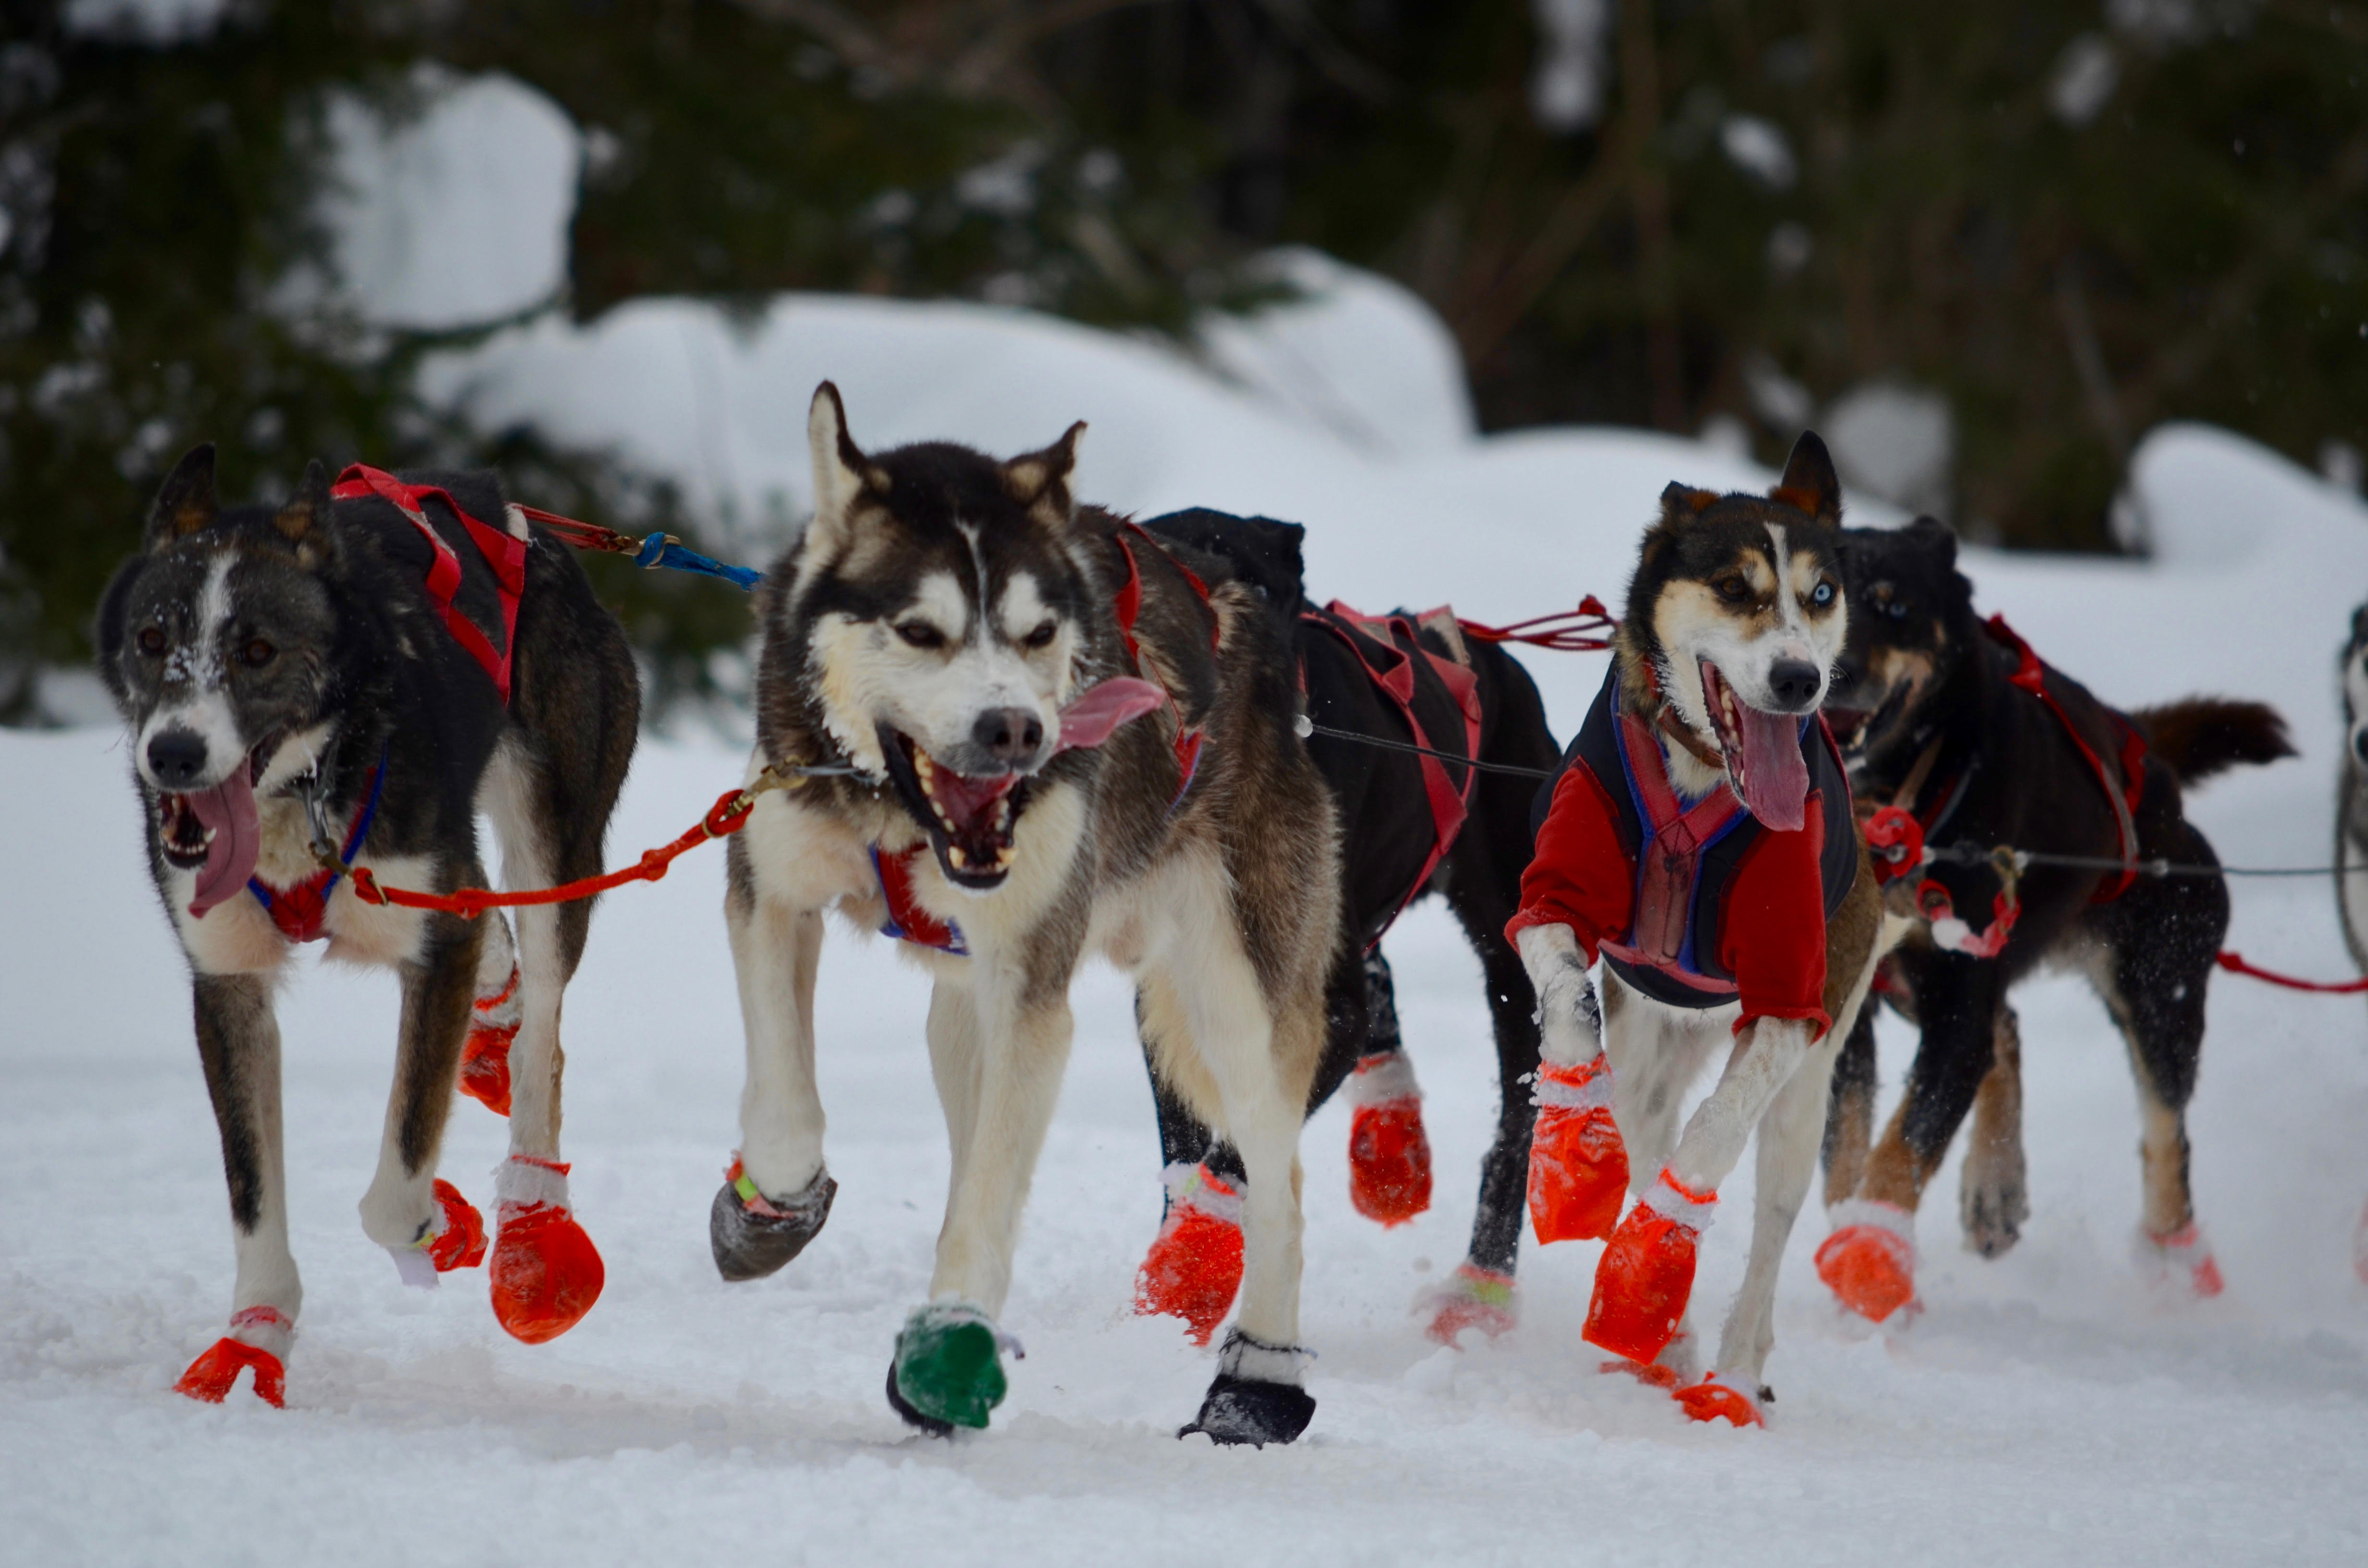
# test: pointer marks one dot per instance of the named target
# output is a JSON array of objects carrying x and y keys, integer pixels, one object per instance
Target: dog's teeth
[{"x": 958, "y": 856}]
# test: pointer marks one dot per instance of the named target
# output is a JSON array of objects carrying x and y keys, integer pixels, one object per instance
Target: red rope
[
  {"x": 2234, "y": 962},
  {"x": 585, "y": 535},
  {"x": 1564, "y": 631},
  {"x": 727, "y": 817}
]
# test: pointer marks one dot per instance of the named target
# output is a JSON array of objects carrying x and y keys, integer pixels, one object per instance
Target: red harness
[
  {"x": 1388, "y": 662},
  {"x": 505, "y": 553},
  {"x": 2032, "y": 676},
  {"x": 1675, "y": 836}
]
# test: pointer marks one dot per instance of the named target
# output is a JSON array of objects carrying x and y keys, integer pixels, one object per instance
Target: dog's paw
[
  {"x": 258, "y": 1338},
  {"x": 2181, "y": 1263},
  {"x": 1472, "y": 1297},
  {"x": 1194, "y": 1267},
  {"x": 546, "y": 1273},
  {"x": 1256, "y": 1397},
  {"x": 1994, "y": 1202},
  {"x": 485, "y": 1055},
  {"x": 1647, "y": 1274},
  {"x": 753, "y": 1235},
  {"x": 1389, "y": 1153},
  {"x": 1579, "y": 1165},
  {"x": 949, "y": 1368},
  {"x": 1718, "y": 1397},
  {"x": 1869, "y": 1261}
]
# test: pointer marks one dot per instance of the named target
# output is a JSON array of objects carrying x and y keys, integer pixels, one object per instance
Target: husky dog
[
  {"x": 1938, "y": 717},
  {"x": 299, "y": 694},
  {"x": 948, "y": 627},
  {"x": 1408, "y": 826},
  {"x": 1700, "y": 841}
]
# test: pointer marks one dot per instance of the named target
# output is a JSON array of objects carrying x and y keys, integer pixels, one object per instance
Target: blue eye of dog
[
  {"x": 1042, "y": 637},
  {"x": 921, "y": 634},
  {"x": 1822, "y": 595},
  {"x": 1894, "y": 609}
]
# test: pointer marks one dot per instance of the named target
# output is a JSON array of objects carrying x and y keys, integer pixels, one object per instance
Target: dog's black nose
[
  {"x": 1794, "y": 684},
  {"x": 1009, "y": 735},
  {"x": 177, "y": 756}
]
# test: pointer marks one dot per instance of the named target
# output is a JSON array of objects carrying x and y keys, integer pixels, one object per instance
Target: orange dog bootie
[
  {"x": 546, "y": 1272},
  {"x": 1472, "y": 1297},
  {"x": 485, "y": 1055},
  {"x": 1578, "y": 1165},
  {"x": 1389, "y": 1156},
  {"x": 2185, "y": 1262},
  {"x": 1719, "y": 1397},
  {"x": 1869, "y": 1261},
  {"x": 1647, "y": 1274},
  {"x": 1194, "y": 1267},
  {"x": 259, "y": 1337}
]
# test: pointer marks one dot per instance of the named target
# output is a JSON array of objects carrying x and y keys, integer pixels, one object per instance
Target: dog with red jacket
[{"x": 1698, "y": 842}]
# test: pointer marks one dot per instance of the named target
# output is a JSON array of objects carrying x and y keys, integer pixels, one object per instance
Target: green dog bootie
[{"x": 948, "y": 1370}]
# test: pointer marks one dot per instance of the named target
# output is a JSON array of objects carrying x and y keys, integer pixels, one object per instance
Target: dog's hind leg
[
  {"x": 494, "y": 1017},
  {"x": 238, "y": 1046},
  {"x": 1193, "y": 1269},
  {"x": 1849, "y": 1117},
  {"x": 1787, "y": 1159},
  {"x": 1994, "y": 1194},
  {"x": 424, "y": 1223},
  {"x": 2162, "y": 936},
  {"x": 546, "y": 1273}
]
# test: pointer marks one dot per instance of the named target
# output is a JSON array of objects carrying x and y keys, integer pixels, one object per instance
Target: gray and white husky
[
  {"x": 951, "y": 628},
  {"x": 299, "y": 704}
]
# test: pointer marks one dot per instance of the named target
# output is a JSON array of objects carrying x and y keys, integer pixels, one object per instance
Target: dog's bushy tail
[{"x": 2201, "y": 736}]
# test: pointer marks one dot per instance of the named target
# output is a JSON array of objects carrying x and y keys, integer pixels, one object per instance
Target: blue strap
[
  {"x": 360, "y": 831},
  {"x": 664, "y": 550}
]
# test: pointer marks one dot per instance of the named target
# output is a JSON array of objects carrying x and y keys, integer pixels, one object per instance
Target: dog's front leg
[
  {"x": 238, "y": 1046},
  {"x": 1647, "y": 1274},
  {"x": 777, "y": 1193},
  {"x": 1788, "y": 1137},
  {"x": 997, "y": 1059},
  {"x": 1578, "y": 1164},
  {"x": 424, "y": 1223}
]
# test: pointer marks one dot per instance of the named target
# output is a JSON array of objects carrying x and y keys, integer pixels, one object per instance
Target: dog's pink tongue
[
  {"x": 229, "y": 809},
  {"x": 1095, "y": 714},
  {"x": 964, "y": 799},
  {"x": 1775, "y": 775}
]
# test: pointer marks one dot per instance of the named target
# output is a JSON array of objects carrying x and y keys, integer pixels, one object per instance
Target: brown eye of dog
[
  {"x": 152, "y": 641},
  {"x": 1042, "y": 637},
  {"x": 1733, "y": 590},
  {"x": 921, "y": 634},
  {"x": 259, "y": 653}
]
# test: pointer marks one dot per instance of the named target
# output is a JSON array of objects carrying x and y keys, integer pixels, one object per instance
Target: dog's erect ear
[
  {"x": 186, "y": 503},
  {"x": 841, "y": 472},
  {"x": 1809, "y": 484},
  {"x": 1047, "y": 475},
  {"x": 306, "y": 521},
  {"x": 1681, "y": 503},
  {"x": 1935, "y": 538}
]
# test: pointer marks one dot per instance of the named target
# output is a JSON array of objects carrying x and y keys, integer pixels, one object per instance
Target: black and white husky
[
  {"x": 299, "y": 700},
  {"x": 952, "y": 628}
]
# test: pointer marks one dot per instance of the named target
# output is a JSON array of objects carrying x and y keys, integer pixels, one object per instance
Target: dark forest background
[{"x": 2061, "y": 223}]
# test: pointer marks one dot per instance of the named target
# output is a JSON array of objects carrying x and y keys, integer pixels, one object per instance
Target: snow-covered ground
[{"x": 2042, "y": 1408}]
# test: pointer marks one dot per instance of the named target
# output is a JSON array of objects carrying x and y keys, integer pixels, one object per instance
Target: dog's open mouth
[
  {"x": 968, "y": 820},
  {"x": 1763, "y": 753},
  {"x": 214, "y": 833}
]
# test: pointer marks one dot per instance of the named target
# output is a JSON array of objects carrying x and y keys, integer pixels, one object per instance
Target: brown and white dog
[{"x": 1698, "y": 841}]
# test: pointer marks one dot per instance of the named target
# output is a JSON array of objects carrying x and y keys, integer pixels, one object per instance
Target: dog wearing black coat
[
  {"x": 1390, "y": 855},
  {"x": 1931, "y": 721}
]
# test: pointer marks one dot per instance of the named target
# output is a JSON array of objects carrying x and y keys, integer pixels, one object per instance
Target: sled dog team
[{"x": 1024, "y": 731}]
